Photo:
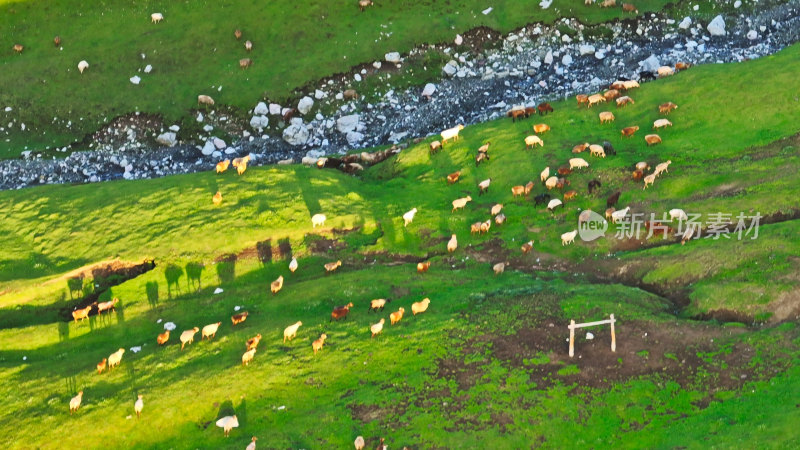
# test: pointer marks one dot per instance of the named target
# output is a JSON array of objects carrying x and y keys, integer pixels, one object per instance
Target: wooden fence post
[
  {"x": 613, "y": 336},
  {"x": 571, "y": 338}
]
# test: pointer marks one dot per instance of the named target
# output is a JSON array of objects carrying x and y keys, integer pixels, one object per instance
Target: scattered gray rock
[
  {"x": 651, "y": 64},
  {"x": 348, "y": 123},
  {"x": 428, "y": 90},
  {"x": 261, "y": 109},
  {"x": 685, "y": 23},
  {"x": 169, "y": 139},
  {"x": 717, "y": 27},
  {"x": 304, "y": 105},
  {"x": 752, "y": 35},
  {"x": 392, "y": 57},
  {"x": 566, "y": 60},
  {"x": 458, "y": 40},
  {"x": 296, "y": 135},
  {"x": 208, "y": 148},
  {"x": 586, "y": 49},
  {"x": 259, "y": 122},
  {"x": 274, "y": 109},
  {"x": 451, "y": 68}
]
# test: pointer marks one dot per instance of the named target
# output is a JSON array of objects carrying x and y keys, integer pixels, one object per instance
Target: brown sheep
[
  {"x": 518, "y": 191},
  {"x": 253, "y": 342},
  {"x": 57, "y": 41},
  {"x": 652, "y": 139},
  {"x": 529, "y": 187},
  {"x": 611, "y": 94},
  {"x": 580, "y": 148},
  {"x": 222, "y": 166},
  {"x": 540, "y": 128},
  {"x": 423, "y": 266},
  {"x": 237, "y": 33},
  {"x": 527, "y": 247},
  {"x": 485, "y": 226},
  {"x": 481, "y": 157},
  {"x": 570, "y": 195},
  {"x": 362, "y": 4},
  {"x": 18, "y": 48},
  {"x": 582, "y": 98},
  {"x": 341, "y": 312},
  {"x": 244, "y": 63},
  {"x": 239, "y": 318},
  {"x": 665, "y": 108},
  {"x": 396, "y": 316},
  {"x": 627, "y": 7},
  {"x": 637, "y": 175},
  {"x": 162, "y": 338},
  {"x": 516, "y": 114},
  {"x": 564, "y": 170},
  {"x": 562, "y": 182},
  {"x": 624, "y": 100},
  {"x": 475, "y": 228},
  {"x": 544, "y": 108},
  {"x": 332, "y": 266},
  {"x": 80, "y": 314},
  {"x": 629, "y": 131},
  {"x": 217, "y": 198},
  {"x": 317, "y": 345},
  {"x": 420, "y": 306},
  {"x": 609, "y": 212},
  {"x": 276, "y": 285},
  {"x": 101, "y": 366},
  {"x": 595, "y": 99},
  {"x": 350, "y": 94},
  {"x": 453, "y": 177},
  {"x": 606, "y": 117},
  {"x": 608, "y": 3},
  {"x": 682, "y": 65}
]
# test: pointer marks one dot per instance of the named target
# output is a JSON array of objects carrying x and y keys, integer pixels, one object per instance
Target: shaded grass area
[{"x": 193, "y": 52}]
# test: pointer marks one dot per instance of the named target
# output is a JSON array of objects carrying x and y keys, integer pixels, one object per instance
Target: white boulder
[
  {"x": 752, "y": 35},
  {"x": 428, "y": 90},
  {"x": 295, "y": 134},
  {"x": 586, "y": 49},
  {"x": 219, "y": 143},
  {"x": 685, "y": 23},
  {"x": 304, "y": 105},
  {"x": 717, "y": 27},
  {"x": 259, "y": 122},
  {"x": 347, "y": 123},
  {"x": 136, "y": 79},
  {"x": 392, "y": 57},
  {"x": 275, "y": 109},
  {"x": 458, "y": 40},
  {"x": 651, "y": 64},
  {"x": 208, "y": 148},
  {"x": 169, "y": 139},
  {"x": 261, "y": 109}
]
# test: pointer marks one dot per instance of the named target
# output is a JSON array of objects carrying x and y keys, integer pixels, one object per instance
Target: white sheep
[
  {"x": 75, "y": 402},
  {"x": 115, "y": 358},
  {"x": 553, "y": 204},
  {"x": 597, "y": 150},
  {"x": 359, "y": 443},
  {"x": 409, "y": 216},
  {"x": 210, "y": 331},
  {"x": 227, "y": 423},
  {"x": 83, "y": 65},
  {"x": 617, "y": 216},
  {"x": 661, "y": 123},
  {"x": 452, "y": 244},
  {"x": 496, "y": 209},
  {"x": 630, "y": 84},
  {"x": 648, "y": 180},
  {"x": 678, "y": 214},
  {"x": 460, "y": 203},
  {"x": 663, "y": 167},
  {"x": 665, "y": 71},
  {"x": 545, "y": 173},
  {"x": 577, "y": 163},
  {"x": 252, "y": 444},
  {"x": 293, "y": 265},
  {"x": 451, "y": 133},
  {"x": 533, "y": 141},
  {"x": 138, "y": 406},
  {"x": 291, "y": 331},
  {"x": 318, "y": 220},
  {"x": 551, "y": 182},
  {"x": 156, "y": 17},
  {"x": 499, "y": 268},
  {"x": 205, "y": 100},
  {"x": 568, "y": 237},
  {"x": 483, "y": 186}
]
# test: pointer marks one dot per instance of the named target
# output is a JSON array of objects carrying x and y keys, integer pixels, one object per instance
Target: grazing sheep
[
  {"x": 682, "y": 65},
  {"x": 516, "y": 114},
  {"x": 687, "y": 235},
  {"x": 317, "y": 345},
  {"x": 597, "y": 150},
  {"x": 350, "y": 94},
  {"x": 592, "y": 185},
  {"x": 541, "y": 199},
  {"x": 611, "y": 94},
  {"x": 83, "y": 65},
  {"x": 553, "y": 204},
  {"x": 648, "y": 180},
  {"x": 318, "y": 220},
  {"x": 451, "y": 133},
  {"x": 617, "y": 216},
  {"x": 423, "y": 267},
  {"x": 677, "y": 214},
  {"x": 527, "y": 247},
  {"x": 518, "y": 191},
  {"x": 377, "y": 328},
  {"x": 533, "y": 141},
  {"x": 247, "y": 357},
  {"x": 484, "y": 227},
  {"x": 101, "y": 366},
  {"x": 606, "y": 117},
  {"x": 75, "y": 402},
  {"x": 106, "y": 306},
  {"x": 540, "y": 128},
  {"x": 187, "y": 337},
  {"x": 162, "y": 338},
  {"x": 652, "y": 139},
  {"x": 460, "y": 203},
  {"x": 396, "y": 316},
  {"x": 341, "y": 312},
  {"x": 642, "y": 165},
  {"x": 562, "y": 182},
  {"x": 613, "y": 199},
  {"x": 332, "y": 266},
  {"x": 236, "y": 319},
  {"x": 362, "y": 4},
  {"x": 248, "y": 45},
  {"x": 57, "y": 41},
  {"x": 608, "y": 148},
  {"x": 570, "y": 195},
  {"x": 237, "y": 33},
  {"x": 244, "y": 63},
  {"x": 637, "y": 175},
  {"x": 409, "y": 217},
  {"x": 661, "y": 123},
  {"x": 481, "y": 157},
  {"x": 580, "y": 148},
  {"x": 253, "y": 342},
  {"x": 665, "y": 71},
  {"x": 564, "y": 170},
  {"x": 499, "y": 268},
  {"x": 544, "y": 108},
  {"x": 241, "y": 168},
  {"x": 595, "y": 99},
  {"x": 624, "y": 100},
  {"x": 378, "y": 304},
  {"x": 483, "y": 186},
  {"x": 453, "y": 177},
  {"x": 475, "y": 228},
  {"x": 80, "y": 314},
  {"x": 217, "y": 198},
  {"x": 582, "y": 98},
  {"x": 529, "y": 111},
  {"x": 239, "y": 161},
  {"x": 627, "y": 7},
  {"x": 222, "y": 166},
  {"x": 252, "y": 444},
  {"x": 115, "y": 358},
  {"x": 156, "y": 17},
  {"x": 663, "y": 167},
  {"x": 609, "y": 212},
  {"x": 484, "y": 148},
  {"x": 608, "y": 3},
  {"x": 420, "y": 306},
  {"x": 577, "y": 163},
  {"x": 18, "y": 48},
  {"x": 529, "y": 187},
  {"x": 452, "y": 244},
  {"x": 205, "y": 100},
  {"x": 291, "y": 331},
  {"x": 500, "y": 219},
  {"x": 545, "y": 173},
  {"x": 665, "y": 108},
  {"x": 568, "y": 237},
  {"x": 630, "y": 84},
  {"x": 618, "y": 85},
  {"x": 628, "y": 131},
  {"x": 584, "y": 216},
  {"x": 551, "y": 182},
  {"x": 496, "y": 209},
  {"x": 359, "y": 443},
  {"x": 210, "y": 331},
  {"x": 293, "y": 265},
  {"x": 228, "y": 423},
  {"x": 434, "y": 147},
  {"x": 138, "y": 406}
]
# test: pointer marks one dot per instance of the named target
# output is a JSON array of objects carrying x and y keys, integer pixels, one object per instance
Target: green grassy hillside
[{"x": 487, "y": 363}]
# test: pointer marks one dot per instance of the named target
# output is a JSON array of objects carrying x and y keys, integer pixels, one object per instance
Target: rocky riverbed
[{"x": 534, "y": 64}]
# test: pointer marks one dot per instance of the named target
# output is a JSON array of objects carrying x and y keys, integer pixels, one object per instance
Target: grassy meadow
[{"x": 487, "y": 364}]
